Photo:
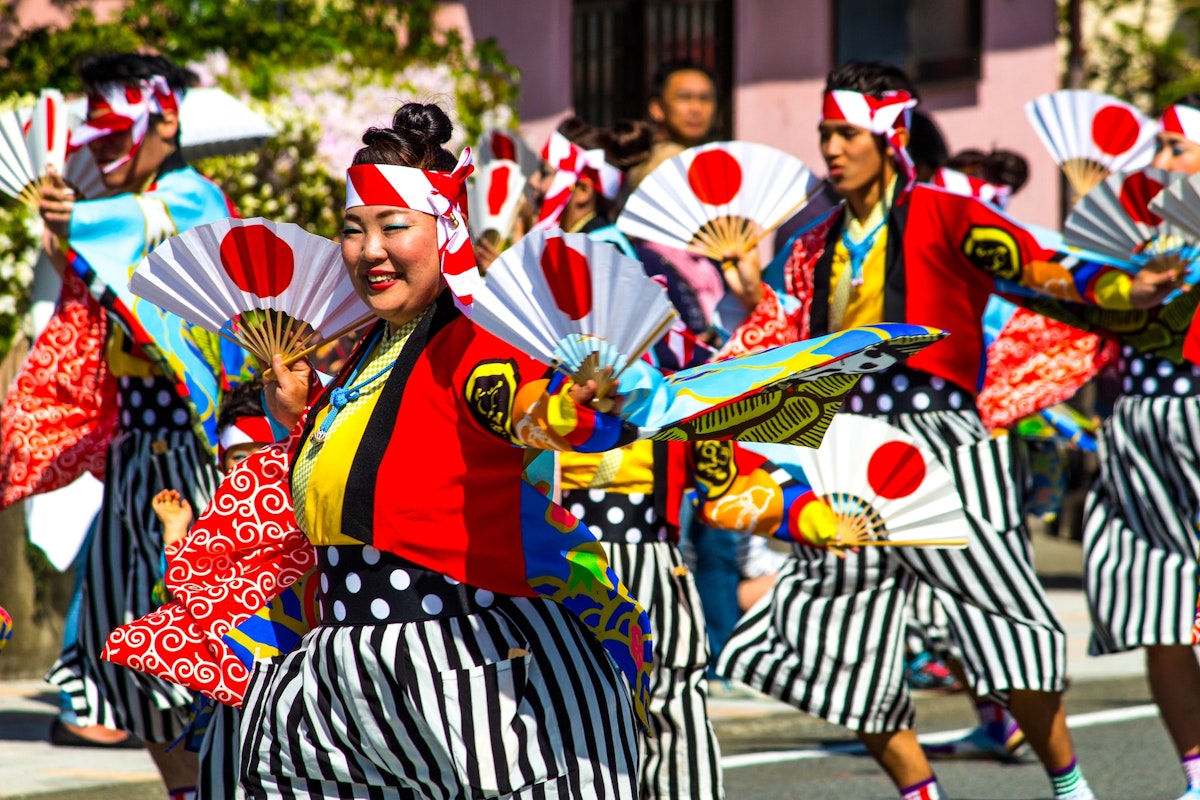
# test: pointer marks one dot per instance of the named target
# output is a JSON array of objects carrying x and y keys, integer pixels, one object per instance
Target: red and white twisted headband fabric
[
  {"x": 440, "y": 194},
  {"x": 245, "y": 430},
  {"x": 957, "y": 182},
  {"x": 1183, "y": 120},
  {"x": 886, "y": 116},
  {"x": 571, "y": 162},
  {"x": 120, "y": 107}
]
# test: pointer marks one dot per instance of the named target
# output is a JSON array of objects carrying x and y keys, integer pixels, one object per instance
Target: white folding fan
[
  {"x": 494, "y": 194},
  {"x": 506, "y": 145},
  {"x": 32, "y": 142},
  {"x": 1117, "y": 219},
  {"x": 1091, "y": 135},
  {"x": 573, "y": 302},
  {"x": 885, "y": 488},
  {"x": 1179, "y": 204},
  {"x": 718, "y": 198},
  {"x": 271, "y": 287}
]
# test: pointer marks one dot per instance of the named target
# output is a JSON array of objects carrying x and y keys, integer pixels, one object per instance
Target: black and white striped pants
[
  {"x": 518, "y": 701},
  {"x": 829, "y": 638},
  {"x": 1140, "y": 525},
  {"x": 219, "y": 754},
  {"x": 682, "y": 760},
  {"x": 120, "y": 572}
]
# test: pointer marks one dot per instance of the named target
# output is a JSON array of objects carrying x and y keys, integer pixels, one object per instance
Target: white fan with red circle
[
  {"x": 573, "y": 302},
  {"x": 1118, "y": 219},
  {"x": 32, "y": 142},
  {"x": 885, "y": 487},
  {"x": 718, "y": 199},
  {"x": 506, "y": 145},
  {"x": 1092, "y": 135},
  {"x": 271, "y": 287},
  {"x": 494, "y": 195}
]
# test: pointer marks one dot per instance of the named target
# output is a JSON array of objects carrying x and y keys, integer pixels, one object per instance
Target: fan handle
[{"x": 292, "y": 359}]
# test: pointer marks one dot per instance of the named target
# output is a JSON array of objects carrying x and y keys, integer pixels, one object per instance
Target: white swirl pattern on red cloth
[{"x": 61, "y": 411}]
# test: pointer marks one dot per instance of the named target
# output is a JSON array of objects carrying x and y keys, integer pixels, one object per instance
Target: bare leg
[
  {"x": 1042, "y": 716},
  {"x": 900, "y": 755},
  {"x": 180, "y": 768},
  {"x": 1174, "y": 677}
]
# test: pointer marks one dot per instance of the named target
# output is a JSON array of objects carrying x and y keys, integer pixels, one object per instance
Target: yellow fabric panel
[
  {"x": 121, "y": 362},
  {"x": 1113, "y": 290},
  {"x": 866, "y": 300},
  {"x": 320, "y": 472},
  {"x": 635, "y": 475}
]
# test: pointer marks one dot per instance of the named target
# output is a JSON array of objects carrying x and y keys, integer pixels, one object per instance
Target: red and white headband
[
  {"x": 885, "y": 116},
  {"x": 245, "y": 430},
  {"x": 957, "y": 182},
  {"x": 440, "y": 194},
  {"x": 571, "y": 162},
  {"x": 1183, "y": 120},
  {"x": 117, "y": 107}
]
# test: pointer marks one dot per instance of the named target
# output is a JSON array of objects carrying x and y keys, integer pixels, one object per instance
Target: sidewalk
[{"x": 31, "y": 767}]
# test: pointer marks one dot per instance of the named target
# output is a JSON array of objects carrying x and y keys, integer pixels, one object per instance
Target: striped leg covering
[
  {"x": 120, "y": 572},
  {"x": 443, "y": 709},
  {"x": 1139, "y": 536},
  {"x": 829, "y": 639},
  {"x": 682, "y": 760},
  {"x": 219, "y": 751}
]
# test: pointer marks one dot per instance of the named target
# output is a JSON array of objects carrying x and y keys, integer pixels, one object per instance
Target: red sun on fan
[{"x": 257, "y": 260}]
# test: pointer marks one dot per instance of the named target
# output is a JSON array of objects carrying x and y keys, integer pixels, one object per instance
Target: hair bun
[{"x": 423, "y": 121}]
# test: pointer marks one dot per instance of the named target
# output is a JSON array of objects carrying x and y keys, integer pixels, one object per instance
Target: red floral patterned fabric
[
  {"x": 220, "y": 577},
  {"x": 60, "y": 413},
  {"x": 767, "y": 326}
]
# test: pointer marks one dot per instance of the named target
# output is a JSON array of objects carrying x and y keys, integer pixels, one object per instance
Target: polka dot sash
[
  {"x": 365, "y": 586},
  {"x": 616, "y": 517},
  {"x": 151, "y": 405},
  {"x": 1151, "y": 376},
  {"x": 903, "y": 390}
]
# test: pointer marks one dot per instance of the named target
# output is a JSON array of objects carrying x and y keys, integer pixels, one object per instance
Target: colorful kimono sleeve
[
  {"x": 1004, "y": 249},
  {"x": 743, "y": 491}
]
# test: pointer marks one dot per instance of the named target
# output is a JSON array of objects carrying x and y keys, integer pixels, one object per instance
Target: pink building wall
[{"x": 782, "y": 52}]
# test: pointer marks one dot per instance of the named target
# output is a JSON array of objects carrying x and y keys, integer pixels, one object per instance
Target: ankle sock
[
  {"x": 182, "y": 794},
  {"x": 925, "y": 790},
  {"x": 1069, "y": 782},
  {"x": 1191, "y": 770},
  {"x": 998, "y": 723}
]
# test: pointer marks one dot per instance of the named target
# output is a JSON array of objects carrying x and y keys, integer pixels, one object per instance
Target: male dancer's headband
[
  {"x": 885, "y": 116},
  {"x": 1183, "y": 120},
  {"x": 571, "y": 162},
  {"x": 440, "y": 194},
  {"x": 116, "y": 107},
  {"x": 245, "y": 430}
]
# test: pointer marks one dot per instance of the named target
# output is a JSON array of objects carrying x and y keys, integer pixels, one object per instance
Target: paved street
[{"x": 770, "y": 750}]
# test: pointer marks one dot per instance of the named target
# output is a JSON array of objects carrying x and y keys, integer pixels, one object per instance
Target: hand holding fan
[
  {"x": 718, "y": 199},
  {"x": 271, "y": 287},
  {"x": 884, "y": 487},
  {"x": 494, "y": 195},
  {"x": 1118, "y": 219},
  {"x": 1091, "y": 135},
  {"x": 574, "y": 303},
  {"x": 31, "y": 145}
]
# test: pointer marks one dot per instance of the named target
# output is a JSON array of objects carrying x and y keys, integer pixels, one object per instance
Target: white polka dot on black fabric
[
  {"x": 956, "y": 400},
  {"x": 135, "y": 399},
  {"x": 636, "y": 498},
  {"x": 179, "y": 416},
  {"x": 884, "y": 402},
  {"x": 576, "y": 510},
  {"x": 431, "y": 604},
  {"x": 595, "y": 531},
  {"x": 856, "y": 404},
  {"x": 164, "y": 397},
  {"x": 614, "y": 515},
  {"x": 1165, "y": 368},
  {"x": 650, "y": 515},
  {"x": 149, "y": 418},
  {"x": 380, "y": 608},
  {"x": 596, "y": 495},
  {"x": 1149, "y": 386},
  {"x": 148, "y": 382},
  {"x": 339, "y": 610},
  {"x": 1137, "y": 367},
  {"x": 324, "y": 583},
  {"x": 900, "y": 383},
  {"x": 332, "y": 555},
  {"x": 353, "y": 583},
  {"x": 937, "y": 383},
  {"x": 633, "y": 536},
  {"x": 370, "y": 555},
  {"x": 1127, "y": 384},
  {"x": 867, "y": 384},
  {"x": 920, "y": 401},
  {"x": 484, "y": 598},
  {"x": 450, "y": 580},
  {"x": 400, "y": 580},
  {"x": 1182, "y": 386},
  {"x": 127, "y": 419}
]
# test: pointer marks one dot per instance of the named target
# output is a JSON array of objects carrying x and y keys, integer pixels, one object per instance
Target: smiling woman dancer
[{"x": 414, "y": 684}]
